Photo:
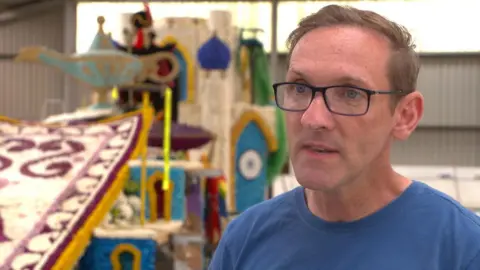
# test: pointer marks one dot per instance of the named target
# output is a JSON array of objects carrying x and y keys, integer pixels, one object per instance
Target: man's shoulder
[
  {"x": 453, "y": 212},
  {"x": 266, "y": 213},
  {"x": 459, "y": 227}
]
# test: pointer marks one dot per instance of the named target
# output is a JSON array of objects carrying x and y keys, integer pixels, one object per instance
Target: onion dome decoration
[
  {"x": 101, "y": 41},
  {"x": 214, "y": 54}
]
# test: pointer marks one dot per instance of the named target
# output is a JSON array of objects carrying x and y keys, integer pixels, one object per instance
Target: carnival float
[{"x": 180, "y": 135}]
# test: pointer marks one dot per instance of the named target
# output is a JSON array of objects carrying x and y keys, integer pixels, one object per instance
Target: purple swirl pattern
[{"x": 78, "y": 162}]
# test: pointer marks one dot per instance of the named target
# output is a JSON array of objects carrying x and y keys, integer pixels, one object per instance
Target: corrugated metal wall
[
  {"x": 439, "y": 146},
  {"x": 24, "y": 87},
  {"x": 451, "y": 86}
]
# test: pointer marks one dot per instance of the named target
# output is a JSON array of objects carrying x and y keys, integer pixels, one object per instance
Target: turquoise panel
[
  {"x": 177, "y": 175},
  {"x": 97, "y": 255},
  {"x": 183, "y": 75},
  {"x": 251, "y": 191},
  {"x": 101, "y": 106},
  {"x": 88, "y": 71}
]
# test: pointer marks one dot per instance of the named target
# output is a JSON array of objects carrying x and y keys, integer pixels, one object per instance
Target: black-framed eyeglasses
[{"x": 339, "y": 99}]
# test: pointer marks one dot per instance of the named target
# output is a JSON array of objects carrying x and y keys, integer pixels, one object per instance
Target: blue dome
[{"x": 214, "y": 54}]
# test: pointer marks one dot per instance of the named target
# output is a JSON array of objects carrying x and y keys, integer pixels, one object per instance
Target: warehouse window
[
  {"x": 437, "y": 26},
  {"x": 244, "y": 14}
]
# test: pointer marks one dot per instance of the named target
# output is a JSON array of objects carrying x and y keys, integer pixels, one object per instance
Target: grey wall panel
[
  {"x": 439, "y": 146},
  {"x": 23, "y": 86},
  {"x": 451, "y": 87}
]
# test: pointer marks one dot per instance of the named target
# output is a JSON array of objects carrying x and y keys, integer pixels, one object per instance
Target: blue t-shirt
[{"x": 423, "y": 229}]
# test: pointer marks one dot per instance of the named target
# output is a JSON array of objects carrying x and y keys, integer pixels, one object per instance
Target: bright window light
[
  {"x": 257, "y": 15},
  {"x": 436, "y": 25}
]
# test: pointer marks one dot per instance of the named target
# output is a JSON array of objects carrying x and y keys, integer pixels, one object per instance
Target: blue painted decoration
[
  {"x": 98, "y": 254},
  {"x": 214, "y": 54},
  {"x": 250, "y": 167},
  {"x": 182, "y": 75},
  {"x": 177, "y": 176}
]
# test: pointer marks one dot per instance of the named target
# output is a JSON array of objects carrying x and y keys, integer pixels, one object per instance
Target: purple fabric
[
  {"x": 194, "y": 201},
  {"x": 183, "y": 137}
]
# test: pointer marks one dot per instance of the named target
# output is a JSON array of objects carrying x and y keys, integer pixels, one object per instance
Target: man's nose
[{"x": 317, "y": 116}]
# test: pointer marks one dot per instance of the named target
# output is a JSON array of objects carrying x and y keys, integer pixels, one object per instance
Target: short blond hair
[{"x": 404, "y": 62}]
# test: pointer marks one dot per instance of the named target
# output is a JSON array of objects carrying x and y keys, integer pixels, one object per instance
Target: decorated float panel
[
  {"x": 121, "y": 249},
  {"x": 252, "y": 142},
  {"x": 174, "y": 72},
  {"x": 193, "y": 64},
  {"x": 226, "y": 89},
  {"x": 186, "y": 80},
  {"x": 57, "y": 183},
  {"x": 155, "y": 200}
]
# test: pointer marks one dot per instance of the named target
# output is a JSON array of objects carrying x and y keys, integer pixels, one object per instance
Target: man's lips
[
  {"x": 319, "y": 151},
  {"x": 321, "y": 156},
  {"x": 320, "y": 148}
]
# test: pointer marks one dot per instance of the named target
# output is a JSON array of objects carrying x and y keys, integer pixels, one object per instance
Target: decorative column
[
  {"x": 221, "y": 23},
  {"x": 217, "y": 92}
]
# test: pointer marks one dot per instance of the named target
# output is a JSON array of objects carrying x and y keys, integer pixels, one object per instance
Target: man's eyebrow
[
  {"x": 352, "y": 80},
  {"x": 347, "y": 79},
  {"x": 292, "y": 72}
]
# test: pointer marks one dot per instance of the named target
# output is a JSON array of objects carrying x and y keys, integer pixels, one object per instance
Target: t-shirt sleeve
[
  {"x": 475, "y": 263},
  {"x": 226, "y": 256},
  {"x": 222, "y": 258}
]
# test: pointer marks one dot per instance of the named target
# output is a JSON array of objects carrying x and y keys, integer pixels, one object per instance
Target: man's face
[{"x": 340, "y": 56}]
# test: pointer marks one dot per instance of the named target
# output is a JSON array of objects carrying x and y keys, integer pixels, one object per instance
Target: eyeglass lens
[{"x": 341, "y": 100}]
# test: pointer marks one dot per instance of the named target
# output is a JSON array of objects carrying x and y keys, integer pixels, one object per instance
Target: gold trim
[
  {"x": 245, "y": 74},
  {"x": 237, "y": 129},
  {"x": 121, "y": 248},
  {"x": 189, "y": 61},
  {"x": 168, "y": 196},
  {"x": 152, "y": 194},
  {"x": 75, "y": 248},
  {"x": 144, "y": 152},
  {"x": 157, "y": 176},
  {"x": 58, "y": 125}
]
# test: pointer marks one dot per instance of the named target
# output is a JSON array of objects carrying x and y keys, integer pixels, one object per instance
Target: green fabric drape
[{"x": 262, "y": 94}]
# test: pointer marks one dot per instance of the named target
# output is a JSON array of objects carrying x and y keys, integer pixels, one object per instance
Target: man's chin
[
  {"x": 321, "y": 186},
  {"x": 325, "y": 183}
]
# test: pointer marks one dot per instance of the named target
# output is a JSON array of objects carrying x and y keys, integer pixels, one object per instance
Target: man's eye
[
  {"x": 351, "y": 94},
  {"x": 300, "y": 89}
]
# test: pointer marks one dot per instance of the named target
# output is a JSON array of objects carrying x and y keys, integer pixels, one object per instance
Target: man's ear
[{"x": 408, "y": 113}]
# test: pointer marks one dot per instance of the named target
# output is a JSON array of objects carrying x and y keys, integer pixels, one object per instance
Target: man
[{"x": 350, "y": 92}]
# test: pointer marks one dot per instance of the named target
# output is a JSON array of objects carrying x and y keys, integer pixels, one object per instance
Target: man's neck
[{"x": 358, "y": 198}]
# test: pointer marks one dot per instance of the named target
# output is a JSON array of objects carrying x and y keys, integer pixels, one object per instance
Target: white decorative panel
[
  {"x": 469, "y": 193},
  {"x": 469, "y": 173},
  {"x": 441, "y": 178}
]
